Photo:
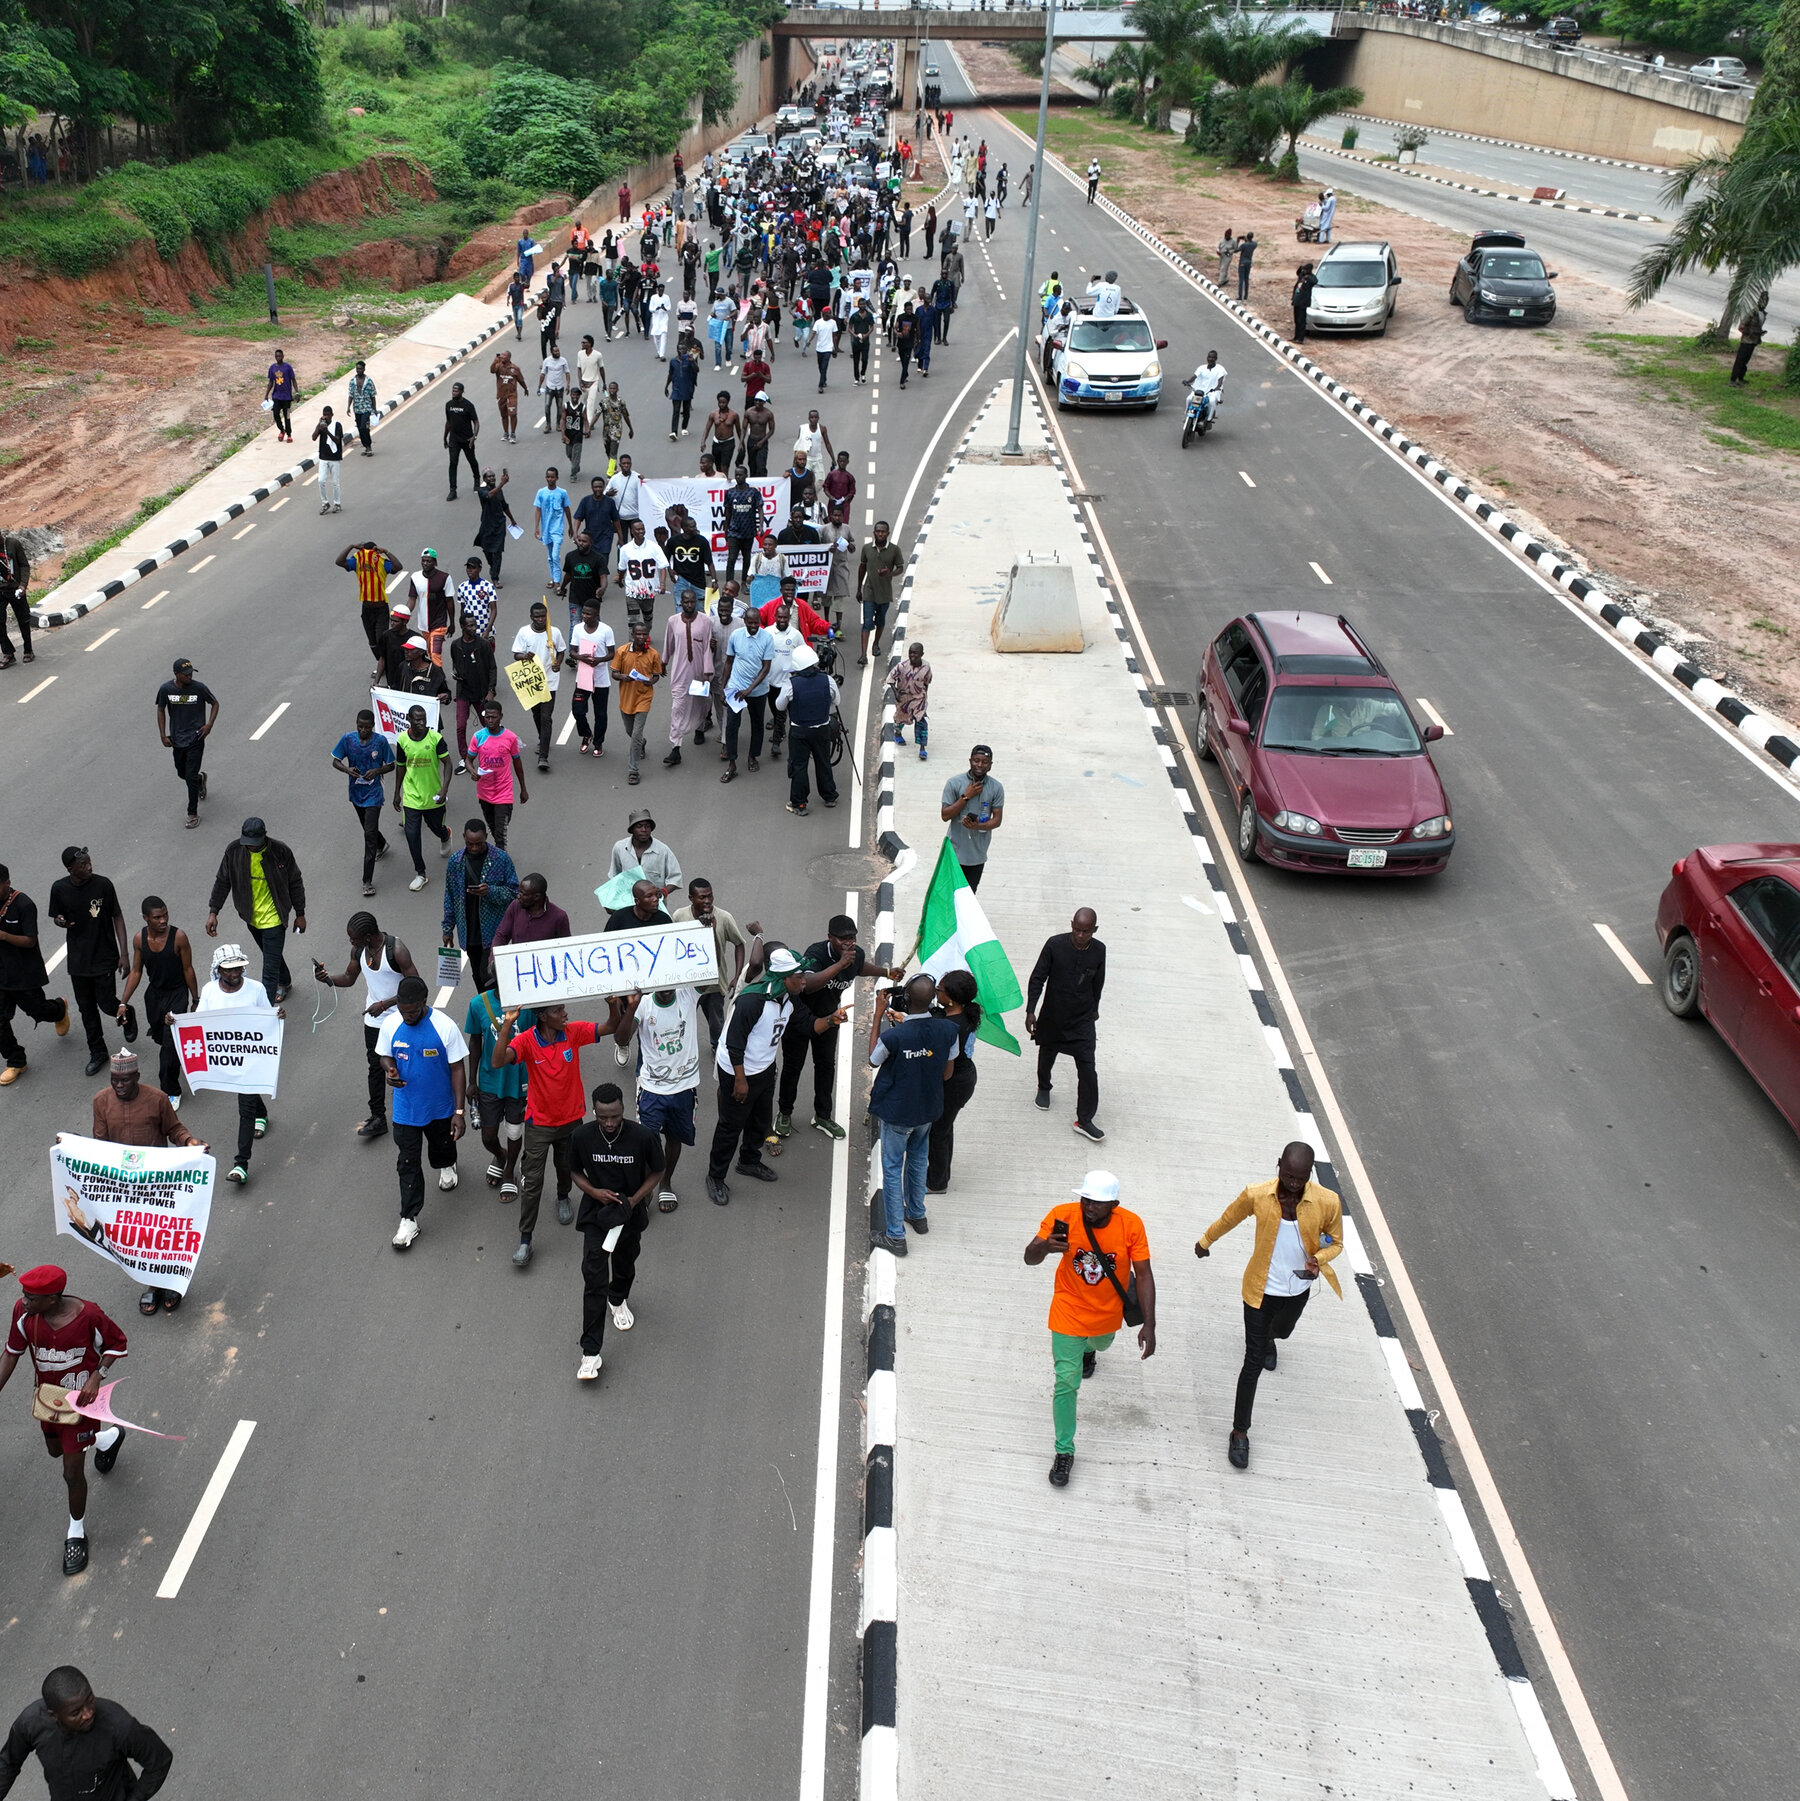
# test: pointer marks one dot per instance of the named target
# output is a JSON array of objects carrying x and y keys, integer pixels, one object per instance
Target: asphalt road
[
  {"x": 1594, "y": 1199},
  {"x": 442, "y": 1568}
]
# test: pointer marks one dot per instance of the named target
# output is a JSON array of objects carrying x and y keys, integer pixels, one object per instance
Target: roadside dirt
[{"x": 1685, "y": 524}]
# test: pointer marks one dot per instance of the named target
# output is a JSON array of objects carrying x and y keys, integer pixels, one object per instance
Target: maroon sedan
[
  {"x": 1729, "y": 922},
  {"x": 1328, "y": 768}
]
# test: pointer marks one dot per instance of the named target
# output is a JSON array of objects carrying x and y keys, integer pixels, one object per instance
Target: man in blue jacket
[{"x": 480, "y": 883}]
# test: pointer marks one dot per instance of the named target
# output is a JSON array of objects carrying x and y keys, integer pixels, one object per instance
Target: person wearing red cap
[{"x": 65, "y": 1338}]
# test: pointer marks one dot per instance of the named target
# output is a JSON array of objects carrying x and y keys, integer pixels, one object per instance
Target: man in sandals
[{"x": 66, "y": 1338}]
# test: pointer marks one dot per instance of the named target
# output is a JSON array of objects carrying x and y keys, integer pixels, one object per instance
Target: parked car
[
  {"x": 1561, "y": 30},
  {"x": 1502, "y": 278},
  {"x": 1327, "y": 767},
  {"x": 1107, "y": 362},
  {"x": 1490, "y": 15},
  {"x": 1729, "y": 925},
  {"x": 1720, "y": 72},
  {"x": 1358, "y": 289}
]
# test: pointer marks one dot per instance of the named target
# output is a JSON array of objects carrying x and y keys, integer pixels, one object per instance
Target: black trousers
[
  {"x": 33, "y": 1003},
  {"x": 736, "y": 548},
  {"x": 941, "y": 325},
  {"x": 758, "y": 455},
  {"x": 498, "y": 814},
  {"x": 906, "y": 241},
  {"x": 972, "y": 873},
  {"x": 591, "y": 733},
  {"x": 374, "y": 842},
  {"x": 798, "y": 1043},
  {"x": 362, "y": 428},
  {"x": 409, "y": 1143},
  {"x": 283, "y": 419},
  {"x": 681, "y": 415},
  {"x": 251, "y": 1108},
  {"x": 755, "y": 705},
  {"x": 957, "y": 1093},
  {"x": 1299, "y": 325},
  {"x": 377, "y": 1077},
  {"x": 810, "y": 746},
  {"x": 21, "y": 611},
  {"x": 457, "y": 453},
  {"x": 1740, "y": 367},
  {"x": 543, "y": 716},
  {"x": 859, "y": 357},
  {"x": 745, "y": 1123},
  {"x": 1080, "y": 1047},
  {"x": 1276, "y": 1318},
  {"x": 713, "y": 1007},
  {"x": 905, "y": 351},
  {"x": 188, "y": 758},
  {"x": 606, "y": 1276},
  {"x": 97, "y": 1000}
]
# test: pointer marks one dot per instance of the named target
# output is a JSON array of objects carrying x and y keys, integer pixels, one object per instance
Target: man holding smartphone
[{"x": 1100, "y": 1248}]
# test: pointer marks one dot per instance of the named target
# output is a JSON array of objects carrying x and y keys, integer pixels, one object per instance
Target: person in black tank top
[{"x": 162, "y": 961}]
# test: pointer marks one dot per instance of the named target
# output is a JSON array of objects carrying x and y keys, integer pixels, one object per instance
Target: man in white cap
[
  {"x": 228, "y": 991},
  {"x": 1094, "y": 1240},
  {"x": 746, "y": 1063}
]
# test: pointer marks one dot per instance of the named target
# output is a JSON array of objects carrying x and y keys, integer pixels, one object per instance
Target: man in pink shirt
[
  {"x": 499, "y": 773},
  {"x": 839, "y": 484}
]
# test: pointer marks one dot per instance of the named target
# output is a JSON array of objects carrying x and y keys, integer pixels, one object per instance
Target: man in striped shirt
[{"x": 371, "y": 565}]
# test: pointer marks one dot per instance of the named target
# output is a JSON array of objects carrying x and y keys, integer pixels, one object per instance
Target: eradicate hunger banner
[{"x": 143, "y": 1208}]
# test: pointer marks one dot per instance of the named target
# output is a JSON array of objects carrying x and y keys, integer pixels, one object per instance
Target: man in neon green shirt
[
  {"x": 267, "y": 890},
  {"x": 423, "y": 790}
]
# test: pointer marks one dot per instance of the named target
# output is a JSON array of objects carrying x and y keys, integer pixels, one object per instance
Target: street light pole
[{"x": 1027, "y": 301}]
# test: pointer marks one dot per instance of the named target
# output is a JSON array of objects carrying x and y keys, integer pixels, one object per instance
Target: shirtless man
[{"x": 509, "y": 384}]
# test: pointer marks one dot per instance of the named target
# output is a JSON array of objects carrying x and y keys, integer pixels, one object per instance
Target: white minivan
[{"x": 1358, "y": 288}]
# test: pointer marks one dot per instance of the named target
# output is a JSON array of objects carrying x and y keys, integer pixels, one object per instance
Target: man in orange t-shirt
[{"x": 1094, "y": 1240}]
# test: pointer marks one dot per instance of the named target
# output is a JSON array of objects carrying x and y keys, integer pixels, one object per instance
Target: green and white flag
[{"x": 954, "y": 934}]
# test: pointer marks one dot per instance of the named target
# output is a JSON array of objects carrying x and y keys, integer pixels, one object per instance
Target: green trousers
[{"x": 1066, "y": 1354}]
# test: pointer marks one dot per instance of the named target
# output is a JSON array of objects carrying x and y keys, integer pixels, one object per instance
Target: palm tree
[
  {"x": 1295, "y": 107},
  {"x": 1241, "y": 53},
  {"x": 1745, "y": 217},
  {"x": 1135, "y": 65},
  {"x": 1100, "y": 77},
  {"x": 1172, "y": 29}
]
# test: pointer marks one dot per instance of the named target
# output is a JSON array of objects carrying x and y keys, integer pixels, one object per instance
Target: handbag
[
  {"x": 1128, "y": 1297},
  {"x": 50, "y": 1405}
]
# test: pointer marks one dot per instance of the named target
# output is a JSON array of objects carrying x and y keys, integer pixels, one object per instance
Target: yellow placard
[{"x": 528, "y": 682}]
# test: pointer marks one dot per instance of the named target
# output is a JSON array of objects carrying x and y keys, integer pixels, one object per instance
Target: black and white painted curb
[
  {"x": 47, "y": 618},
  {"x": 1573, "y": 156},
  {"x": 880, "y": 1761},
  {"x": 1765, "y": 731},
  {"x": 1495, "y": 1620},
  {"x": 1468, "y": 187}
]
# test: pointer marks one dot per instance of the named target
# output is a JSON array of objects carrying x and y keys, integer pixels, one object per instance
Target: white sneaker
[
  {"x": 621, "y": 1054},
  {"x": 175, "y": 1102},
  {"x": 416, "y": 883},
  {"x": 622, "y": 1318},
  {"x": 409, "y": 1230},
  {"x": 588, "y": 1370},
  {"x": 446, "y": 1180}
]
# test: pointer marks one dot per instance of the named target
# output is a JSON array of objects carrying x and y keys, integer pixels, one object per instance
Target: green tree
[
  {"x": 1706, "y": 27},
  {"x": 1242, "y": 52},
  {"x": 1295, "y": 107},
  {"x": 1780, "y": 84},
  {"x": 1172, "y": 31},
  {"x": 1233, "y": 115},
  {"x": 1133, "y": 68},
  {"x": 33, "y": 78}
]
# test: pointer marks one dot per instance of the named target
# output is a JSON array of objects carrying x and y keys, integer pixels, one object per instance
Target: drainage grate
[{"x": 1171, "y": 697}]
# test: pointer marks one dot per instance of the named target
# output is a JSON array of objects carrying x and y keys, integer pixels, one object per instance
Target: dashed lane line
[
  {"x": 256, "y": 735},
  {"x": 1611, "y": 940},
  {"x": 112, "y": 632},
  {"x": 1244, "y": 477},
  {"x": 162, "y": 594},
  {"x": 35, "y": 692},
  {"x": 1320, "y": 573},
  {"x": 210, "y": 557},
  {"x": 1435, "y": 716},
  {"x": 191, "y": 1540}
]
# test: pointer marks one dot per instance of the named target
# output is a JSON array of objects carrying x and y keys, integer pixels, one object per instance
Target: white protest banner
[
  {"x": 809, "y": 565},
  {"x": 704, "y": 498},
  {"x": 391, "y": 708},
  {"x": 142, "y": 1208},
  {"x": 568, "y": 969},
  {"x": 235, "y": 1049}
]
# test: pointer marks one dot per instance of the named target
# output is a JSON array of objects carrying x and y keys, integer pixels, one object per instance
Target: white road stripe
[
  {"x": 50, "y": 963},
  {"x": 1610, "y": 939},
  {"x": 255, "y": 735},
  {"x": 35, "y": 692},
  {"x": 1320, "y": 573},
  {"x": 112, "y": 633},
  {"x": 154, "y": 598},
  {"x": 189, "y": 1547},
  {"x": 868, "y": 516},
  {"x": 276, "y": 508},
  {"x": 396, "y": 581},
  {"x": 568, "y": 730},
  {"x": 1462, "y": 1534},
  {"x": 1434, "y": 716},
  {"x": 195, "y": 570},
  {"x": 248, "y": 529},
  {"x": 1244, "y": 476},
  {"x": 310, "y": 479}
]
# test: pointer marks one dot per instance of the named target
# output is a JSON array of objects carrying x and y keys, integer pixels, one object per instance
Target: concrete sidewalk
[{"x": 1166, "y": 1626}]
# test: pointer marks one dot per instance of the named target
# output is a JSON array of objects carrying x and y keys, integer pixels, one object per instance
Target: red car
[
  {"x": 1328, "y": 768},
  {"x": 1729, "y": 924}
]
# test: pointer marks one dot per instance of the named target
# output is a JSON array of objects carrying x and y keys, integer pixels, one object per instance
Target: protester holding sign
[
  {"x": 542, "y": 645},
  {"x": 425, "y": 1058},
  {"x": 66, "y": 1338},
  {"x": 228, "y": 992}
]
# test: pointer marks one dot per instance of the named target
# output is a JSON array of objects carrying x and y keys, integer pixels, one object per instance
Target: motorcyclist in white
[{"x": 1209, "y": 383}]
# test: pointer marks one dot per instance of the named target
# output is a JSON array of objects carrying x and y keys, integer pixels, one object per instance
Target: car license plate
[
  {"x": 1113, "y": 396},
  {"x": 1368, "y": 859},
  {"x": 1515, "y": 312}
]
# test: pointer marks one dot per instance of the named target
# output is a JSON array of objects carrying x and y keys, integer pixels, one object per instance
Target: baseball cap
[
  {"x": 1099, "y": 1185},
  {"x": 183, "y": 666},
  {"x": 229, "y": 956},
  {"x": 783, "y": 962},
  {"x": 417, "y": 644},
  {"x": 401, "y": 610},
  {"x": 254, "y": 835}
]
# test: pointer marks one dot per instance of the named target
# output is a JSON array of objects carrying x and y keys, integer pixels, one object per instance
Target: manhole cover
[{"x": 850, "y": 869}]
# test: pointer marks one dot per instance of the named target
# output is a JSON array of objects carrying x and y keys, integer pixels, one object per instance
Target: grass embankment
[{"x": 1696, "y": 373}]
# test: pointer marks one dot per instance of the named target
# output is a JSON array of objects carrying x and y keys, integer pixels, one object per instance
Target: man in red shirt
[
  {"x": 839, "y": 484},
  {"x": 66, "y": 1338},
  {"x": 555, "y": 1102},
  {"x": 624, "y": 217},
  {"x": 755, "y": 373}
]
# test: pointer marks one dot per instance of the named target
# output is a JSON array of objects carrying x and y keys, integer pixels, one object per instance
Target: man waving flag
[{"x": 954, "y": 934}]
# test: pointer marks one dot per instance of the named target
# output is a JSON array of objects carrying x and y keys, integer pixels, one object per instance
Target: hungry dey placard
[{"x": 236, "y": 1051}]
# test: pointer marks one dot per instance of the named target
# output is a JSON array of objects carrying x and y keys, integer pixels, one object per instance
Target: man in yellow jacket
[{"x": 1299, "y": 1232}]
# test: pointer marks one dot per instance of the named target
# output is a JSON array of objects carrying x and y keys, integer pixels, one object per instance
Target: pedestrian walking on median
[
  {"x": 1299, "y": 1231},
  {"x": 179, "y": 704},
  {"x": 228, "y": 990},
  {"x": 382, "y": 962},
  {"x": 914, "y": 1059},
  {"x": 973, "y": 805},
  {"x": 262, "y": 876},
  {"x": 615, "y": 1162},
  {"x": 426, "y": 1062},
  {"x": 1246, "y": 256},
  {"x": 910, "y": 684},
  {"x": 280, "y": 394},
  {"x": 1069, "y": 977},
  {"x": 328, "y": 434},
  {"x": 85, "y": 1745},
  {"x": 86, "y": 906},
  {"x": 1093, "y": 1239},
  {"x": 956, "y": 1001},
  {"x": 1301, "y": 298},
  {"x": 15, "y": 596},
  {"x": 1093, "y": 179},
  {"x": 22, "y": 978}
]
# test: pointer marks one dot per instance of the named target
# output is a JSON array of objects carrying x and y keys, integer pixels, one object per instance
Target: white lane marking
[
  {"x": 310, "y": 479},
  {"x": 568, "y": 730},
  {"x": 1434, "y": 716},
  {"x": 818, "y": 1613},
  {"x": 50, "y": 963},
  {"x": 868, "y": 516},
  {"x": 255, "y": 735},
  {"x": 1199, "y": 906},
  {"x": 154, "y": 598},
  {"x": 1462, "y": 1534},
  {"x": 203, "y": 562},
  {"x": 1633, "y": 967},
  {"x": 112, "y": 633},
  {"x": 396, "y": 581},
  {"x": 1244, "y": 476},
  {"x": 1537, "y": 1610},
  {"x": 1320, "y": 573},
  {"x": 35, "y": 692},
  {"x": 1404, "y": 1384},
  {"x": 189, "y": 1547},
  {"x": 1551, "y": 1769},
  {"x": 276, "y": 508},
  {"x": 248, "y": 529}
]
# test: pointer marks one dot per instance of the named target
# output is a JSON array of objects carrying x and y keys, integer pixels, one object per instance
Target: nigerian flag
[{"x": 954, "y": 934}]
